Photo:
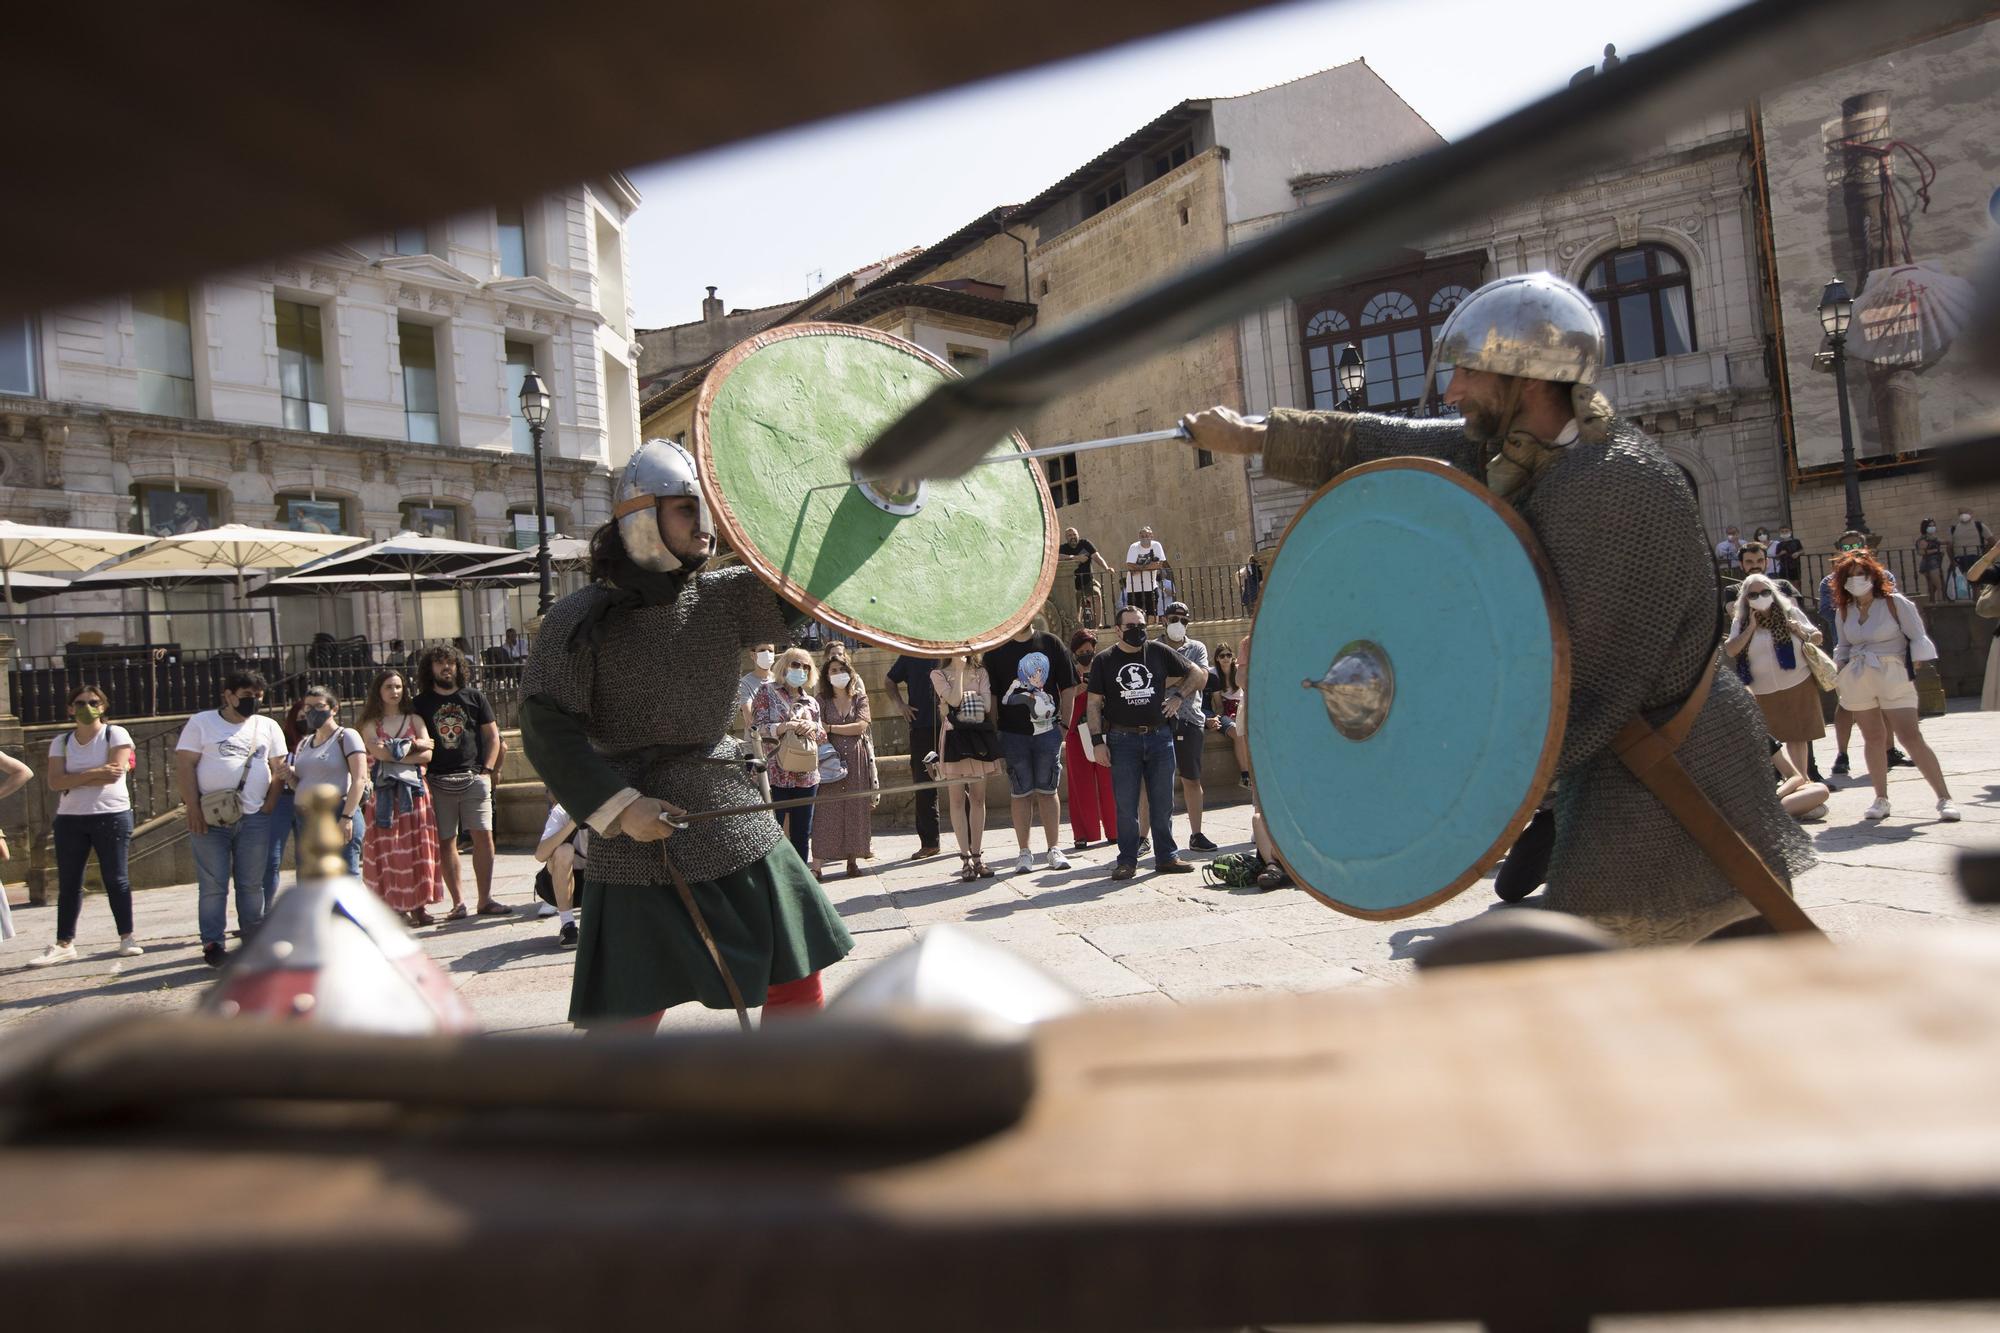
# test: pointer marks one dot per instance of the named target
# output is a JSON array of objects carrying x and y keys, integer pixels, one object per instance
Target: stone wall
[{"x": 1894, "y": 506}]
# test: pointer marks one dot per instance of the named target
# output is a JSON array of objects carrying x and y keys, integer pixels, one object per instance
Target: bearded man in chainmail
[
  {"x": 1624, "y": 537},
  {"x": 629, "y": 694}
]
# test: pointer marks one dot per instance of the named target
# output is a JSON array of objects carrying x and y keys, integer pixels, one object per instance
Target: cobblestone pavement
[{"x": 1151, "y": 940}]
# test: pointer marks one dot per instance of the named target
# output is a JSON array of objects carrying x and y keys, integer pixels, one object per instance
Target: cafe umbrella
[
  {"x": 415, "y": 559},
  {"x": 30, "y": 548}
]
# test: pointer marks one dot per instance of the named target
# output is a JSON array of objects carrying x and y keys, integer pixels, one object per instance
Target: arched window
[
  {"x": 1394, "y": 318},
  {"x": 1645, "y": 302}
]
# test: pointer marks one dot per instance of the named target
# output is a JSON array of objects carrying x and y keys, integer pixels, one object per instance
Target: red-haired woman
[{"x": 1882, "y": 639}]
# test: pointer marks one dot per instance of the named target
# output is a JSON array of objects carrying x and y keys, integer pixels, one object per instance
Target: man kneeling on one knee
[{"x": 1136, "y": 690}]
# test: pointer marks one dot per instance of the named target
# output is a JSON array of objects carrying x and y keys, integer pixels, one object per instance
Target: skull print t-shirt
[
  {"x": 1134, "y": 685},
  {"x": 455, "y": 720}
]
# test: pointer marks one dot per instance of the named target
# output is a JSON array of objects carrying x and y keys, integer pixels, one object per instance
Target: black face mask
[
  {"x": 1133, "y": 635},
  {"x": 1086, "y": 655}
]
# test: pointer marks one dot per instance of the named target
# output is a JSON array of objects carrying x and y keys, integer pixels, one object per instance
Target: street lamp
[
  {"x": 535, "y": 411},
  {"x": 1836, "y": 312},
  {"x": 1353, "y": 373}
]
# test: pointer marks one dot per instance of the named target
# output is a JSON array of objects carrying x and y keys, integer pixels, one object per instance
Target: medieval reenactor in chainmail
[
  {"x": 629, "y": 695},
  {"x": 1621, "y": 530}
]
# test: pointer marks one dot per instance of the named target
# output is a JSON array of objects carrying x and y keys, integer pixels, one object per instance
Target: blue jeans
[
  {"x": 797, "y": 821},
  {"x": 351, "y": 853},
  {"x": 281, "y": 829},
  {"x": 242, "y": 852},
  {"x": 76, "y": 837},
  {"x": 1148, "y": 760}
]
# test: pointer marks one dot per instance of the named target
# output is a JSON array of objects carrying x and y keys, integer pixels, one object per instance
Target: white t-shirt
[
  {"x": 225, "y": 747},
  {"x": 76, "y": 756},
  {"x": 1144, "y": 580}
]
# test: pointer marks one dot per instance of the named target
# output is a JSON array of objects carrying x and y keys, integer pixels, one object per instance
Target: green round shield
[{"x": 928, "y": 568}]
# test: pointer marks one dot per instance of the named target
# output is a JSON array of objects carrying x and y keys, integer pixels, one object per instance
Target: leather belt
[
  {"x": 1136, "y": 731},
  {"x": 1649, "y": 753}
]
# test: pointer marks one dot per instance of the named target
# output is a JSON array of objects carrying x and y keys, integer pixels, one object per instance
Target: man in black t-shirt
[
  {"x": 1074, "y": 596},
  {"x": 910, "y": 688},
  {"x": 1032, "y": 718},
  {"x": 1135, "y": 690},
  {"x": 464, "y": 766}
]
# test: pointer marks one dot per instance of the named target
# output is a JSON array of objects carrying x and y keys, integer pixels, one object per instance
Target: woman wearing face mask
[
  {"x": 756, "y": 678},
  {"x": 1881, "y": 639},
  {"x": 841, "y": 829},
  {"x": 1223, "y": 702},
  {"x": 88, "y": 764},
  {"x": 968, "y": 753},
  {"x": 330, "y": 755},
  {"x": 1930, "y": 559},
  {"x": 1093, "y": 809},
  {"x": 786, "y": 707},
  {"x": 1766, "y": 638}
]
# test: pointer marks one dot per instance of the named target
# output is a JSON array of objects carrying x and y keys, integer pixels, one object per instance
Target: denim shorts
[{"x": 1034, "y": 763}]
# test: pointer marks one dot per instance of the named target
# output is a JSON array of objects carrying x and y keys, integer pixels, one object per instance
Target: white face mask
[
  {"x": 1860, "y": 584},
  {"x": 764, "y": 660},
  {"x": 1761, "y": 602},
  {"x": 1965, "y": 518},
  {"x": 1176, "y": 631},
  {"x": 1784, "y": 536},
  {"x": 838, "y": 679}
]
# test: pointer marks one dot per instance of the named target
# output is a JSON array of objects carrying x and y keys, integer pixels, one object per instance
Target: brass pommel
[{"x": 321, "y": 848}]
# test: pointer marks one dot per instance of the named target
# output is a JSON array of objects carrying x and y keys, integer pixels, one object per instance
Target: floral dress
[{"x": 841, "y": 829}]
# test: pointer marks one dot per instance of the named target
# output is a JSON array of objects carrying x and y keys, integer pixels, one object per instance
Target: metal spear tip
[{"x": 953, "y": 970}]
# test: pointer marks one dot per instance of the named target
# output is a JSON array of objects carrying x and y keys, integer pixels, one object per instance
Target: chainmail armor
[
  {"x": 665, "y": 676},
  {"x": 1622, "y": 532}
]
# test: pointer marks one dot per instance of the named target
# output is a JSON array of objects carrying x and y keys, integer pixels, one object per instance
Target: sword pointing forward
[{"x": 686, "y": 818}]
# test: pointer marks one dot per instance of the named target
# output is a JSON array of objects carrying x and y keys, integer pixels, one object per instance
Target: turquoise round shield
[{"x": 1409, "y": 671}]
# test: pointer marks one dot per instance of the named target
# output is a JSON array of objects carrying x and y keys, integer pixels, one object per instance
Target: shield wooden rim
[
  {"x": 731, "y": 528},
  {"x": 1559, "y": 683}
]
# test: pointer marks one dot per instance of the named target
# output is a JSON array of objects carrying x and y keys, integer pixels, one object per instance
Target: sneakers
[
  {"x": 55, "y": 953},
  {"x": 1243, "y": 780},
  {"x": 1080, "y": 845},
  {"x": 1273, "y": 877},
  {"x": 566, "y": 937},
  {"x": 1897, "y": 759},
  {"x": 1879, "y": 810},
  {"x": 1173, "y": 867},
  {"x": 1024, "y": 863},
  {"x": 1199, "y": 842},
  {"x": 128, "y": 947},
  {"x": 1947, "y": 812},
  {"x": 1055, "y": 860},
  {"x": 1814, "y": 815},
  {"x": 1124, "y": 870},
  {"x": 1145, "y": 843},
  {"x": 544, "y": 910},
  {"x": 213, "y": 953},
  {"x": 1840, "y": 764}
]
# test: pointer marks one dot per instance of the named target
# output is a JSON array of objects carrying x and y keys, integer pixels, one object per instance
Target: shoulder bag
[{"x": 224, "y": 807}]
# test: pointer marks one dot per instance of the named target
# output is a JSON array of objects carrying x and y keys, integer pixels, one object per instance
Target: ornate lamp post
[
  {"x": 535, "y": 411},
  {"x": 1353, "y": 374},
  {"x": 1836, "y": 311}
]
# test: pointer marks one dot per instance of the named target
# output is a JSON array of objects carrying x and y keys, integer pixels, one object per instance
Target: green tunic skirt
[{"x": 639, "y": 952}]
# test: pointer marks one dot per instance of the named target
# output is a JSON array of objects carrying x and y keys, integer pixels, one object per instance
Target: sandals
[
  {"x": 421, "y": 918},
  {"x": 457, "y": 913},
  {"x": 496, "y": 908},
  {"x": 979, "y": 870},
  {"x": 965, "y": 868}
]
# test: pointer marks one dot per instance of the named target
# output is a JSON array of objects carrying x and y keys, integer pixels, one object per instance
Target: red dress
[
  {"x": 400, "y": 862},
  {"x": 1091, "y": 806}
]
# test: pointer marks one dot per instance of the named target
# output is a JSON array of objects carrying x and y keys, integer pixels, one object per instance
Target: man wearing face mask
[
  {"x": 1621, "y": 530},
  {"x": 232, "y": 754},
  {"x": 1190, "y": 724},
  {"x": 618, "y": 753},
  {"x": 762, "y": 657},
  {"x": 1969, "y": 539},
  {"x": 1136, "y": 690},
  {"x": 1785, "y": 556}
]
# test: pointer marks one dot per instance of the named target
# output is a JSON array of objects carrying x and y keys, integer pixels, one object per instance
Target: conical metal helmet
[
  {"x": 658, "y": 470},
  {"x": 332, "y": 954},
  {"x": 1534, "y": 325}
]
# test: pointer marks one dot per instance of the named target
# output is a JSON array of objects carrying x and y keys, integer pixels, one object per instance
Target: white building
[{"x": 361, "y": 388}]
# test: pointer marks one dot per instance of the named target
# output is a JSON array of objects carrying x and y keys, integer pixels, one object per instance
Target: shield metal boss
[
  {"x": 926, "y": 567},
  {"x": 1409, "y": 675}
]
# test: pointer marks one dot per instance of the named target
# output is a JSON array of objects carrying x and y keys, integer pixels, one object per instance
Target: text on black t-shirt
[
  {"x": 455, "y": 720},
  {"x": 1003, "y": 667},
  {"x": 1134, "y": 685}
]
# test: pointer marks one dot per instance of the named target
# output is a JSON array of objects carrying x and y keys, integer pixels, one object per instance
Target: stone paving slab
[{"x": 1155, "y": 939}]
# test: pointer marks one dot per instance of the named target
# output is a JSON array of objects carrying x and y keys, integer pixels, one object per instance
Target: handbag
[
  {"x": 797, "y": 754},
  {"x": 1824, "y": 673},
  {"x": 224, "y": 807},
  {"x": 831, "y": 769},
  {"x": 1988, "y": 605}
]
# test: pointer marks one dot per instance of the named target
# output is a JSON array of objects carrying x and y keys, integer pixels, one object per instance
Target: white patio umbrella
[
  {"x": 30, "y": 548},
  {"x": 235, "y": 548},
  {"x": 408, "y": 555},
  {"x": 34, "y": 587},
  {"x": 565, "y": 554}
]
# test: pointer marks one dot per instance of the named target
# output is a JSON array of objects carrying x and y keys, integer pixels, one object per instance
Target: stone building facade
[{"x": 363, "y": 388}]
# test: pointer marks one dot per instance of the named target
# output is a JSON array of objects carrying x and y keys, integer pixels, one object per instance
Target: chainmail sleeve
[
  {"x": 1312, "y": 448},
  {"x": 761, "y": 617}
]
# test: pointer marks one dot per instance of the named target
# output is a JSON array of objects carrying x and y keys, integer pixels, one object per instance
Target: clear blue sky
[{"x": 761, "y": 219}]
